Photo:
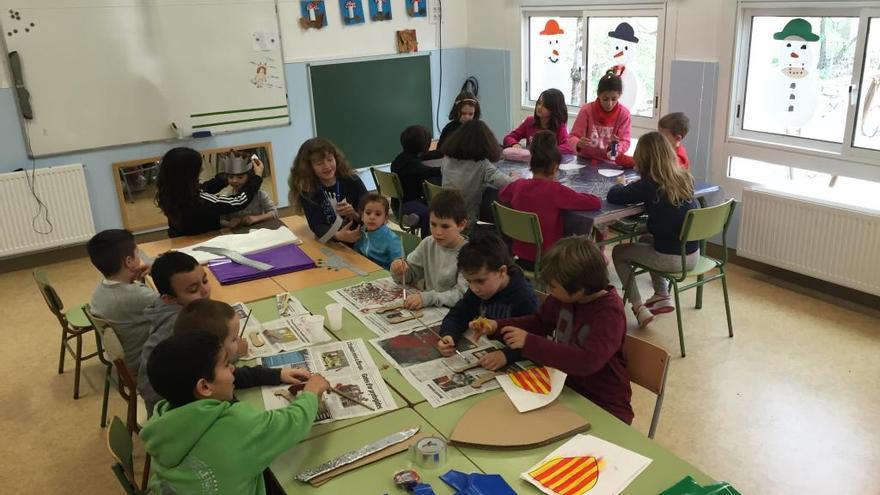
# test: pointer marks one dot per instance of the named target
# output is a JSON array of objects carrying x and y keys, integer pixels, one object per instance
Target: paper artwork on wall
[
  {"x": 380, "y": 10},
  {"x": 314, "y": 14},
  {"x": 417, "y": 8},
  {"x": 263, "y": 41},
  {"x": 352, "y": 11},
  {"x": 406, "y": 41},
  {"x": 265, "y": 73}
]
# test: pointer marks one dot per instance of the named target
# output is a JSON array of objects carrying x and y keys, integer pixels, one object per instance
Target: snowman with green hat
[{"x": 797, "y": 92}]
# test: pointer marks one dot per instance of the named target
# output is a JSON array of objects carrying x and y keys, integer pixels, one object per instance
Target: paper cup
[
  {"x": 313, "y": 323},
  {"x": 334, "y": 316}
]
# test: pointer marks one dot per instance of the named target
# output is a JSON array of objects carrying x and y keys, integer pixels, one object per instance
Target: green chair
[
  {"x": 121, "y": 448},
  {"x": 521, "y": 226},
  {"x": 388, "y": 184},
  {"x": 647, "y": 365},
  {"x": 430, "y": 190},
  {"x": 699, "y": 225},
  {"x": 74, "y": 325},
  {"x": 409, "y": 241}
]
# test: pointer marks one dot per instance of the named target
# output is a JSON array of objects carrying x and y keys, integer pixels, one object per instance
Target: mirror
[{"x": 136, "y": 183}]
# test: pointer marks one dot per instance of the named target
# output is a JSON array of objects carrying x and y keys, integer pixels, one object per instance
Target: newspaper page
[
  {"x": 349, "y": 368},
  {"x": 288, "y": 333},
  {"x": 378, "y": 305}
]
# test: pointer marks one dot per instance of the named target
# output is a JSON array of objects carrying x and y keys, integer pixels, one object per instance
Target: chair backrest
[
  {"x": 108, "y": 344},
  {"x": 703, "y": 223},
  {"x": 120, "y": 446},
  {"x": 49, "y": 294},
  {"x": 430, "y": 190},
  {"x": 647, "y": 365},
  {"x": 387, "y": 183},
  {"x": 409, "y": 241},
  {"x": 522, "y": 226}
]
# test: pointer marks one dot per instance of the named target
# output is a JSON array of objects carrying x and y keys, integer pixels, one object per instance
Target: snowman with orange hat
[
  {"x": 623, "y": 43},
  {"x": 796, "y": 94},
  {"x": 555, "y": 73}
]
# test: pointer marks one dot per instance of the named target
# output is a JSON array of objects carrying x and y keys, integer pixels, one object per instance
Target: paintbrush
[
  {"x": 351, "y": 398},
  {"x": 245, "y": 323}
]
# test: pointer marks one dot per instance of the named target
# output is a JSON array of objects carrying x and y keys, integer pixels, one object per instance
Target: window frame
[{"x": 585, "y": 12}]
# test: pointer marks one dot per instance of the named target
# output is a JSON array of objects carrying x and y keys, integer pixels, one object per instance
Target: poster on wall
[
  {"x": 314, "y": 14},
  {"x": 380, "y": 10},
  {"x": 352, "y": 12},
  {"x": 417, "y": 8}
]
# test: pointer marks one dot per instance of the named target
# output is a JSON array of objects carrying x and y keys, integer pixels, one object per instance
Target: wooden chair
[
  {"x": 74, "y": 325},
  {"x": 409, "y": 241},
  {"x": 388, "y": 184},
  {"x": 521, "y": 226},
  {"x": 699, "y": 225},
  {"x": 430, "y": 189},
  {"x": 647, "y": 365},
  {"x": 121, "y": 447}
]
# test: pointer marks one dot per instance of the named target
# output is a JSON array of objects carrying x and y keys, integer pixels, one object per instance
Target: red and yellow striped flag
[
  {"x": 568, "y": 475},
  {"x": 535, "y": 380}
]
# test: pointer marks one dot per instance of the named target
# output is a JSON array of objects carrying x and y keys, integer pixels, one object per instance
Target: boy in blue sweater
[
  {"x": 378, "y": 242},
  {"x": 497, "y": 289}
]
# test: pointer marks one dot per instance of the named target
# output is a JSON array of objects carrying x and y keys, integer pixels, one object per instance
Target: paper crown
[
  {"x": 232, "y": 163},
  {"x": 800, "y": 28}
]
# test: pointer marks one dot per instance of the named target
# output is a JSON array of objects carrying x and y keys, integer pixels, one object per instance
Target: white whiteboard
[{"x": 111, "y": 72}]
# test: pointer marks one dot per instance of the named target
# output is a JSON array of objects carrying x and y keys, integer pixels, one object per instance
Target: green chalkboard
[{"x": 364, "y": 106}]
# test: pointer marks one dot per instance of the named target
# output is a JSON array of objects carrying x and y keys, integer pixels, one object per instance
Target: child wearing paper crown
[{"x": 261, "y": 208}]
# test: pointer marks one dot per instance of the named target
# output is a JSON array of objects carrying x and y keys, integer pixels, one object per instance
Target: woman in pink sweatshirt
[
  {"x": 601, "y": 123},
  {"x": 551, "y": 114}
]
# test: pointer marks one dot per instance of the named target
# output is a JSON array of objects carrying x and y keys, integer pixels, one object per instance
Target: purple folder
[{"x": 284, "y": 259}]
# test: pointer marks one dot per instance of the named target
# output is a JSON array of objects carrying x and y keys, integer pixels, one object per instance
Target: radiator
[
  {"x": 823, "y": 240},
  {"x": 63, "y": 190}
]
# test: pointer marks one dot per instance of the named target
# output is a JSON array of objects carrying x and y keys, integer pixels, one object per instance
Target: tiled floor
[{"x": 790, "y": 405}]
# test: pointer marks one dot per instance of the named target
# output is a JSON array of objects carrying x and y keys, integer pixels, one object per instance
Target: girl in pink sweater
[
  {"x": 544, "y": 196},
  {"x": 551, "y": 114},
  {"x": 602, "y": 122}
]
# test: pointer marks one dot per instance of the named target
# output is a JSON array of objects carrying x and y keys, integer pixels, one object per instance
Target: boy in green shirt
[{"x": 200, "y": 442}]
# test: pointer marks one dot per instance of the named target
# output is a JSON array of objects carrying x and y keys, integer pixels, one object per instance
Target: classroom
[{"x": 440, "y": 246}]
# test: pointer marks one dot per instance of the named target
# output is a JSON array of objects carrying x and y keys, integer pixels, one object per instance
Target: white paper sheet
[
  {"x": 255, "y": 240},
  {"x": 609, "y": 172},
  {"x": 524, "y": 400}
]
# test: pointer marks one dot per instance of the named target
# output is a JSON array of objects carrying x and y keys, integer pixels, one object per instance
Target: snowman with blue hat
[
  {"x": 623, "y": 44},
  {"x": 795, "y": 96}
]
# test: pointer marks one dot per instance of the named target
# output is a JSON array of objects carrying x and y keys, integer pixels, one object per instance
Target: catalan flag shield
[
  {"x": 535, "y": 380},
  {"x": 568, "y": 475}
]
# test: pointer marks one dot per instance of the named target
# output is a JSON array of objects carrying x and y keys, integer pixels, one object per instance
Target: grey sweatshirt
[
  {"x": 471, "y": 178},
  {"x": 438, "y": 267},
  {"x": 123, "y": 306},
  {"x": 162, "y": 317}
]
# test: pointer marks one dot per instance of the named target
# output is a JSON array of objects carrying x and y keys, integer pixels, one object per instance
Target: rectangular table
[{"x": 664, "y": 471}]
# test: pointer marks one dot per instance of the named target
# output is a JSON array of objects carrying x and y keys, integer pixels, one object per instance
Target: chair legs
[
  {"x": 699, "y": 304},
  {"x": 106, "y": 395},
  {"x": 146, "y": 477},
  {"x": 726, "y": 302},
  {"x": 678, "y": 316},
  {"x": 61, "y": 357},
  {"x": 77, "y": 366}
]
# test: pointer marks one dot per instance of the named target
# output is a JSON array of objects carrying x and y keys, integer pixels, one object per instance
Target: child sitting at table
[
  {"x": 121, "y": 296},
  {"x": 674, "y": 127},
  {"x": 377, "y": 242},
  {"x": 408, "y": 166},
  {"x": 667, "y": 192},
  {"x": 325, "y": 189},
  {"x": 551, "y": 114},
  {"x": 468, "y": 167},
  {"x": 433, "y": 264},
  {"x": 544, "y": 196},
  {"x": 261, "y": 208},
  {"x": 602, "y": 122},
  {"x": 202, "y": 442},
  {"x": 585, "y": 320},
  {"x": 497, "y": 288}
]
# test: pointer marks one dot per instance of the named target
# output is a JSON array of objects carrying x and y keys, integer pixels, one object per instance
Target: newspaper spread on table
[
  {"x": 287, "y": 333},
  {"x": 348, "y": 366},
  {"x": 377, "y": 304},
  {"x": 439, "y": 379}
]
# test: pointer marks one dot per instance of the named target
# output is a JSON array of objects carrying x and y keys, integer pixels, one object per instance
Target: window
[
  {"x": 570, "y": 50},
  {"x": 867, "y": 131}
]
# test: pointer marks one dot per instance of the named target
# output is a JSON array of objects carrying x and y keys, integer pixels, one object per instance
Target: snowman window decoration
[
  {"x": 624, "y": 41},
  {"x": 796, "y": 94}
]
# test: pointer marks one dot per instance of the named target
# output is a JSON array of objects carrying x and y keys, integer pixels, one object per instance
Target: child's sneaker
[
  {"x": 659, "y": 304},
  {"x": 643, "y": 316}
]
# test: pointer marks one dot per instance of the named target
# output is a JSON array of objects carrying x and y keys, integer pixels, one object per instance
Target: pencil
[
  {"x": 245, "y": 323},
  {"x": 351, "y": 398}
]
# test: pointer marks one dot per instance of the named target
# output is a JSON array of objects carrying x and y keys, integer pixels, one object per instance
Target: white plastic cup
[
  {"x": 313, "y": 323},
  {"x": 334, "y": 316}
]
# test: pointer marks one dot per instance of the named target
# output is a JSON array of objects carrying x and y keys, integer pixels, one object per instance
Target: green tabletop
[
  {"x": 665, "y": 469},
  {"x": 315, "y": 299},
  {"x": 374, "y": 478}
]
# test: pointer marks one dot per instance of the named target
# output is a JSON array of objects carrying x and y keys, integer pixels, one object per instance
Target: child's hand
[
  {"x": 514, "y": 337},
  {"x": 516, "y": 145},
  {"x": 582, "y": 142},
  {"x": 234, "y": 222},
  {"x": 346, "y": 210},
  {"x": 493, "y": 361},
  {"x": 317, "y": 385},
  {"x": 399, "y": 268},
  {"x": 515, "y": 175},
  {"x": 621, "y": 179},
  {"x": 295, "y": 375},
  {"x": 258, "y": 167},
  {"x": 446, "y": 346},
  {"x": 243, "y": 348},
  {"x": 483, "y": 326},
  {"x": 348, "y": 234},
  {"x": 140, "y": 273},
  {"x": 413, "y": 301},
  {"x": 249, "y": 220}
]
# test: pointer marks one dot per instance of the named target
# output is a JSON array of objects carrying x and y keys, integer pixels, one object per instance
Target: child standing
[
  {"x": 122, "y": 296},
  {"x": 468, "y": 167},
  {"x": 544, "y": 196},
  {"x": 408, "y": 165},
  {"x": 496, "y": 289},
  {"x": 325, "y": 189},
  {"x": 434, "y": 262},
  {"x": 674, "y": 127},
  {"x": 585, "y": 319},
  {"x": 202, "y": 442},
  {"x": 261, "y": 208},
  {"x": 602, "y": 122},
  {"x": 180, "y": 280},
  {"x": 551, "y": 114},
  {"x": 377, "y": 242},
  {"x": 667, "y": 191}
]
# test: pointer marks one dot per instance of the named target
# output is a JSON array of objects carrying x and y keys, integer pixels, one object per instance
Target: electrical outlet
[{"x": 434, "y": 13}]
